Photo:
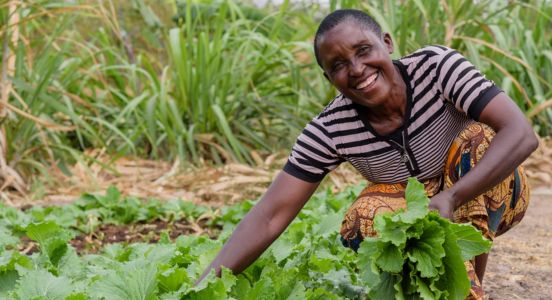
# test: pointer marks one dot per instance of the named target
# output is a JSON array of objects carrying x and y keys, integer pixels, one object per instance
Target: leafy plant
[{"x": 419, "y": 254}]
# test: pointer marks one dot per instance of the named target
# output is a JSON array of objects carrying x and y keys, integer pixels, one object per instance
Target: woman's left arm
[{"x": 513, "y": 143}]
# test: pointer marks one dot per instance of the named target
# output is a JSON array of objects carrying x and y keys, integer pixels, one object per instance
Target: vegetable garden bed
[{"x": 76, "y": 259}]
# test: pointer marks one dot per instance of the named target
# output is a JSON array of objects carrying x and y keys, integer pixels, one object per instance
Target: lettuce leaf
[
  {"x": 470, "y": 240},
  {"x": 418, "y": 254}
]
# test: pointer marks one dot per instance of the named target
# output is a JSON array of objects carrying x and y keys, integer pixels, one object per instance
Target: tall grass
[
  {"x": 230, "y": 73},
  {"x": 232, "y": 85},
  {"x": 211, "y": 81},
  {"x": 198, "y": 86}
]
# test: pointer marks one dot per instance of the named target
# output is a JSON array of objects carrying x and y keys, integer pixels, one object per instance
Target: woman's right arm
[{"x": 263, "y": 223}]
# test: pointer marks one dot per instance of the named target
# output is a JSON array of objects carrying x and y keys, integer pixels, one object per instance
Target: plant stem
[{"x": 10, "y": 176}]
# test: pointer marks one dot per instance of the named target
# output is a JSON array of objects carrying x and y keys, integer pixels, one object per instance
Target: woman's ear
[{"x": 388, "y": 41}]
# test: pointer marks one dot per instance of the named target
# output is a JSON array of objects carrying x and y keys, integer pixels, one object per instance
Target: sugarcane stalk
[{"x": 9, "y": 176}]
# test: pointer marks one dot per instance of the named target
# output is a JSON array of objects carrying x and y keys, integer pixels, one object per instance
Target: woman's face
[{"x": 357, "y": 62}]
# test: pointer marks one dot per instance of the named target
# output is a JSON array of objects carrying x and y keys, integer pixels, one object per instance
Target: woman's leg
[
  {"x": 375, "y": 199},
  {"x": 481, "y": 265},
  {"x": 495, "y": 211},
  {"x": 379, "y": 198},
  {"x": 359, "y": 219}
]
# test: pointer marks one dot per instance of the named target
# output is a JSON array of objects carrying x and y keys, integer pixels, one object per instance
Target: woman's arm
[
  {"x": 513, "y": 143},
  {"x": 264, "y": 223}
]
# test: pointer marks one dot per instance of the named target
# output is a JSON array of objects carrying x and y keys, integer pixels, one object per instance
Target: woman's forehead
[
  {"x": 349, "y": 32},
  {"x": 346, "y": 37}
]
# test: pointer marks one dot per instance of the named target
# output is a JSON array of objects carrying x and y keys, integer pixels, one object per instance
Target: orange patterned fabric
[
  {"x": 500, "y": 208},
  {"x": 374, "y": 199},
  {"x": 493, "y": 212}
]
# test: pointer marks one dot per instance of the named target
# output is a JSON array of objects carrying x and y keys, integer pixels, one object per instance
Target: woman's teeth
[{"x": 368, "y": 81}]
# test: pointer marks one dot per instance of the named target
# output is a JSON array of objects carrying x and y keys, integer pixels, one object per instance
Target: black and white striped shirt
[{"x": 445, "y": 93}]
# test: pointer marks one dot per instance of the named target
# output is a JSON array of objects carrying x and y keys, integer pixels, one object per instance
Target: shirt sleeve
[
  {"x": 463, "y": 85},
  {"x": 313, "y": 155}
]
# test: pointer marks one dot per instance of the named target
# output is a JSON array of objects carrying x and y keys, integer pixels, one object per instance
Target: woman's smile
[
  {"x": 367, "y": 83},
  {"x": 357, "y": 62}
]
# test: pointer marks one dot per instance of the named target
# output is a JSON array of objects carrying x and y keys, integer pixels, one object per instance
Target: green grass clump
[{"x": 212, "y": 81}]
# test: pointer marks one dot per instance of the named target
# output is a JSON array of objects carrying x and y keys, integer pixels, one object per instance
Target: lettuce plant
[{"x": 417, "y": 253}]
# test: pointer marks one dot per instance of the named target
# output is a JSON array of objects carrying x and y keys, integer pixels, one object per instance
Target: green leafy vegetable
[
  {"x": 417, "y": 253},
  {"x": 41, "y": 284}
]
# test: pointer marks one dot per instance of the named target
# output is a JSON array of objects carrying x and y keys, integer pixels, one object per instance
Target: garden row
[
  {"x": 417, "y": 253},
  {"x": 307, "y": 262}
]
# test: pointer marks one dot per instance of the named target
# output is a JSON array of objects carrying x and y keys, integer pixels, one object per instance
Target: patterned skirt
[{"x": 493, "y": 212}]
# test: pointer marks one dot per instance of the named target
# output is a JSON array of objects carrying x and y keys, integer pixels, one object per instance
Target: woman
[{"x": 430, "y": 114}]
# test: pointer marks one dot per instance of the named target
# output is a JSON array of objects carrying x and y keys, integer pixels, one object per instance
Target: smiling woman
[
  {"x": 356, "y": 61},
  {"x": 430, "y": 115}
]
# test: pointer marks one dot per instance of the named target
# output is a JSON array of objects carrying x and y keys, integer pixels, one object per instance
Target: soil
[
  {"x": 132, "y": 233},
  {"x": 520, "y": 262}
]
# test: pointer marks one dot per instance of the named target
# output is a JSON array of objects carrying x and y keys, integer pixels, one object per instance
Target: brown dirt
[
  {"x": 214, "y": 186},
  {"x": 132, "y": 233},
  {"x": 520, "y": 263}
]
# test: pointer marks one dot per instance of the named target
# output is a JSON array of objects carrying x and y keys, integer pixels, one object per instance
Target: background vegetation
[{"x": 212, "y": 81}]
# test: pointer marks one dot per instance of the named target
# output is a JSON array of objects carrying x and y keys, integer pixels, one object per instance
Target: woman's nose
[{"x": 356, "y": 69}]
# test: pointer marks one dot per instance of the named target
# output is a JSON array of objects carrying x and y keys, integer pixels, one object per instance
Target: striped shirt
[{"x": 445, "y": 93}]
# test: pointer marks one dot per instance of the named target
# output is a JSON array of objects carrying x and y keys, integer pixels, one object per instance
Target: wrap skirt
[{"x": 493, "y": 212}]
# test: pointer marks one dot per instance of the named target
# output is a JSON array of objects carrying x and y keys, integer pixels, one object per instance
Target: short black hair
[{"x": 339, "y": 16}]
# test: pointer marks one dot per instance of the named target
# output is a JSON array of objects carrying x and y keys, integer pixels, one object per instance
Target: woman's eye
[
  {"x": 337, "y": 66},
  {"x": 363, "y": 50}
]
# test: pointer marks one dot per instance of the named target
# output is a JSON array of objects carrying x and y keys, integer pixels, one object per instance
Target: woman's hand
[
  {"x": 444, "y": 203},
  {"x": 513, "y": 143}
]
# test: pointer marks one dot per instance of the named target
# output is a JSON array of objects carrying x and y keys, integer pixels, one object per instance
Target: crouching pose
[{"x": 430, "y": 114}]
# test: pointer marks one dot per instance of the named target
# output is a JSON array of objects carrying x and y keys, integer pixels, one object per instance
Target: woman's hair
[{"x": 339, "y": 16}]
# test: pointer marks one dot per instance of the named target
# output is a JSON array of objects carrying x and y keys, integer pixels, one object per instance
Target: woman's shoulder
[
  {"x": 429, "y": 50},
  {"x": 428, "y": 58},
  {"x": 428, "y": 54},
  {"x": 340, "y": 109},
  {"x": 337, "y": 106}
]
